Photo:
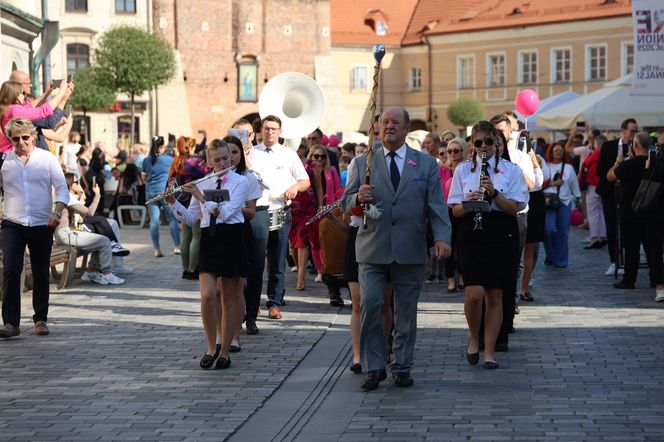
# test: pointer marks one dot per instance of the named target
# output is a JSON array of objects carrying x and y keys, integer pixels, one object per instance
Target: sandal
[{"x": 526, "y": 297}]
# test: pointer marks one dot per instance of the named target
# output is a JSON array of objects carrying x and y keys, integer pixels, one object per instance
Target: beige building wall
[
  {"x": 86, "y": 28},
  {"x": 615, "y": 34}
]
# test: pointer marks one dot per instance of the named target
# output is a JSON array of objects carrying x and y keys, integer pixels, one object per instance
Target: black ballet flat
[
  {"x": 223, "y": 363},
  {"x": 491, "y": 365},
  {"x": 235, "y": 348},
  {"x": 472, "y": 358},
  {"x": 451, "y": 290},
  {"x": 356, "y": 368},
  {"x": 207, "y": 361},
  {"x": 461, "y": 286}
]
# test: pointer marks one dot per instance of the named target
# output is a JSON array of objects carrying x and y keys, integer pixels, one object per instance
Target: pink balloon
[
  {"x": 333, "y": 140},
  {"x": 325, "y": 141},
  {"x": 576, "y": 217},
  {"x": 526, "y": 102}
]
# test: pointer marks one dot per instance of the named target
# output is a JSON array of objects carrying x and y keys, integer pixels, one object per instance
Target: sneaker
[
  {"x": 319, "y": 278},
  {"x": 118, "y": 250},
  {"x": 293, "y": 269},
  {"x": 110, "y": 278},
  {"x": 9, "y": 331},
  {"x": 621, "y": 271},
  {"x": 122, "y": 270},
  {"x": 659, "y": 295},
  {"x": 611, "y": 270},
  {"x": 516, "y": 310},
  {"x": 91, "y": 276},
  {"x": 41, "y": 329},
  {"x": 176, "y": 251}
]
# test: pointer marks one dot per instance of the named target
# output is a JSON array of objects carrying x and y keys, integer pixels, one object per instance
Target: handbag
[
  {"x": 552, "y": 200},
  {"x": 648, "y": 196}
]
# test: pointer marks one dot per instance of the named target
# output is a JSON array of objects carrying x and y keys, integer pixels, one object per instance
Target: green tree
[
  {"x": 465, "y": 111},
  {"x": 132, "y": 61},
  {"x": 91, "y": 92}
]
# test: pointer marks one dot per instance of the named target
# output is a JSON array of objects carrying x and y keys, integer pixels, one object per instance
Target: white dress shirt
[
  {"x": 259, "y": 163},
  {"x": 253, "y": 188},
  {"x": 28, "y": 187},
  {"x": 283, "y": 168},
  {"x": 509, "y": 182},
  {"x": 230, "y": 212},
  {"x": 522, "y": 159},
  {"x": 399, "y": 158}
]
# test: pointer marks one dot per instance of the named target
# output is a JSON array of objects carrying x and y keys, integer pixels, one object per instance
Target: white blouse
[
  {"x": 569, "y": 189},
  {"x": 509, "y": 181},
  {"x": 230, "y": 212}
]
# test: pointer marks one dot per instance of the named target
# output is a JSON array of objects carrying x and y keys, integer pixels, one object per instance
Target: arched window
[{"x": 78, "y": 56}]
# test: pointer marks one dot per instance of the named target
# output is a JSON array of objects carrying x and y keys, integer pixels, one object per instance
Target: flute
[
  {"x": 324, "y": 210},
  {"x": 178, "y": 189},
  {"x": 484, "y": 171}
]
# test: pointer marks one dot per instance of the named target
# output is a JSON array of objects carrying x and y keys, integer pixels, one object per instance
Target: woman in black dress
[{"x": 487, "y": 248}]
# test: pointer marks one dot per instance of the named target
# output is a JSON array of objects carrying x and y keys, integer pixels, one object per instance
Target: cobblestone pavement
[{"x": 121, "y": 363}]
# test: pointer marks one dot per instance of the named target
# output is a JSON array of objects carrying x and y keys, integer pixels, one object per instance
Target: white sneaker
[
  {"x": 118, "y": 250},
  {"x": 611, "y": 270},
  {"x": 659, "y": 295},
  {"x": 92, "y": 277},
  {"x": 293, "y": 269},
  {"x": 110, "y": 278},
  {"x": 319, "y": 278},
  {"x": 587, "y": 240},
  {"x": 122, "y": 270},
  {"x": 176, "y": 251}
]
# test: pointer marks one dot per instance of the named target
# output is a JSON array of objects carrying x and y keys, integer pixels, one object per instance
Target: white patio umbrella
[
  {"x": 606, "y": 108},
  {"x": 546, "y": 104}
]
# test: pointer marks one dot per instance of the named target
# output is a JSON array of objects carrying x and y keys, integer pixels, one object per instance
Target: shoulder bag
[{"x": 648, "y": 196}]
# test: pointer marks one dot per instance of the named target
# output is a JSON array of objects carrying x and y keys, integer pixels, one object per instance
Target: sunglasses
[
  {"x": 451, "y": 151},
  {"x": 20, "y": 137},
  {"x": 486, "y": 142},
  {"x": 318, "y": 157}
]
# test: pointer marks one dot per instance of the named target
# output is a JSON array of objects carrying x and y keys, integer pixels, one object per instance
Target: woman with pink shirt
[
  {"x": 325, "y": 183},
  {"x": 12, "y": 105}
]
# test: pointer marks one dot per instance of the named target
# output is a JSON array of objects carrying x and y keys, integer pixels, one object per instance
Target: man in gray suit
[{"x": 406, "y": 186}]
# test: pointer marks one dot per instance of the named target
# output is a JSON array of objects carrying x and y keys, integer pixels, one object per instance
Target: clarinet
[{"x": 484, "y": 171}]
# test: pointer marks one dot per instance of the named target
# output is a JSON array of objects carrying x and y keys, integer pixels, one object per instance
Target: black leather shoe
[
  {"x": 356, "y": 368},
  {"x": 402, "y": 380},
  {"x": 251, "y": 327},
  {"x": 223, "y": 363},
  {"x": 623, "y": 285},
  {"x": 491, "y": 365},
  {"x": 374, "y": 377},
  {"x": 472, "y": 358}
]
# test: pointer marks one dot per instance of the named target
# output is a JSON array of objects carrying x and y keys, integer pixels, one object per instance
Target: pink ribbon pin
[{"x": 411, "y": 162}]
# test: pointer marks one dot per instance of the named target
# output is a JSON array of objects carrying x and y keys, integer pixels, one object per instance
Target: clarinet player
[{"x": 488, "y": 246}]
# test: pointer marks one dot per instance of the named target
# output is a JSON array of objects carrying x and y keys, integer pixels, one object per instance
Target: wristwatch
[{"x": 495, "y": 193}]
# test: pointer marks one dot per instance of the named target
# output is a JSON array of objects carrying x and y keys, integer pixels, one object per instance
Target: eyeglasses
[
  {"x": 312, "y": 138},
  {"x": 271, "y": 129},
  {"x": 486, "y": 142},
  {"x": 451, "y": 151},
  {"x": 19, "y": 138},
  {"x": 318, "y": 157}
]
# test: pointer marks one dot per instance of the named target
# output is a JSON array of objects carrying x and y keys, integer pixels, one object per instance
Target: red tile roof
[
  {"x": 348, "y": 21},
  {"x": 436, "y": 17}
]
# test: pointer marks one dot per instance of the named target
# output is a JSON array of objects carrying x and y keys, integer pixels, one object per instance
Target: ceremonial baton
[{"x": 378, "y": 54}]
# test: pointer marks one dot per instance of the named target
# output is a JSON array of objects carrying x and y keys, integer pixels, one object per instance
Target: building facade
[{"x": 491, "y": 50}]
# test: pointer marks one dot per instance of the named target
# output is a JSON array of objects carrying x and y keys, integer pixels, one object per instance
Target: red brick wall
[{"x": 207, "y": 57}]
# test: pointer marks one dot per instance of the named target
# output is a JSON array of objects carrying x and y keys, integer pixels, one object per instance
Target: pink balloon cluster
[
  {"x": 526, "y": 102},
  {"x": 331, "y": 141}
]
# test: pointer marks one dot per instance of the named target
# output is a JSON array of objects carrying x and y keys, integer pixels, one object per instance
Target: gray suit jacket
[{"x": 400, "y": 233}]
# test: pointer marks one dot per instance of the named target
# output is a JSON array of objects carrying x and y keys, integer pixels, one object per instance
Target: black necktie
[
  {"x": 394, "y": 171},
  {"x": 213, "y": 218},
  {"x": 268, "y": 149}
]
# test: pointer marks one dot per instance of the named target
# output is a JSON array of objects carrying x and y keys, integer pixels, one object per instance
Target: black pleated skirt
[
  {"x": 536, "y": 212},
  {"x": 225, "y": 254},
  {"x": 488, "y": 258}
]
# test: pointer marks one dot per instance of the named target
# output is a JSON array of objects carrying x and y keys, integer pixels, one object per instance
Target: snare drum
[{"x": 277, "y": 218}]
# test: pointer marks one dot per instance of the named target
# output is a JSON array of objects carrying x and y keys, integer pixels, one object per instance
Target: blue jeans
[
  {"x": 556, "y": 232},
  {"x": 155, "y": 212}
]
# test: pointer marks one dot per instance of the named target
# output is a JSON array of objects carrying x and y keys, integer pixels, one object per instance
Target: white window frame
[
  {"x": 554, "y": 66},
  {"x": 352, "y": 78},
  {"x": 489, "y": 76},
  {"x": 623, "y": 58},
  {"x": 521, "y": 66},
  {"x": 460, "y": 74},
  {"x": 606, "y": 61},
  {"x": 414, "y": 81}
]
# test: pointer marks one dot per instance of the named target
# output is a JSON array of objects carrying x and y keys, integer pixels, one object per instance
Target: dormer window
[{"x": 377, "y": 21}]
